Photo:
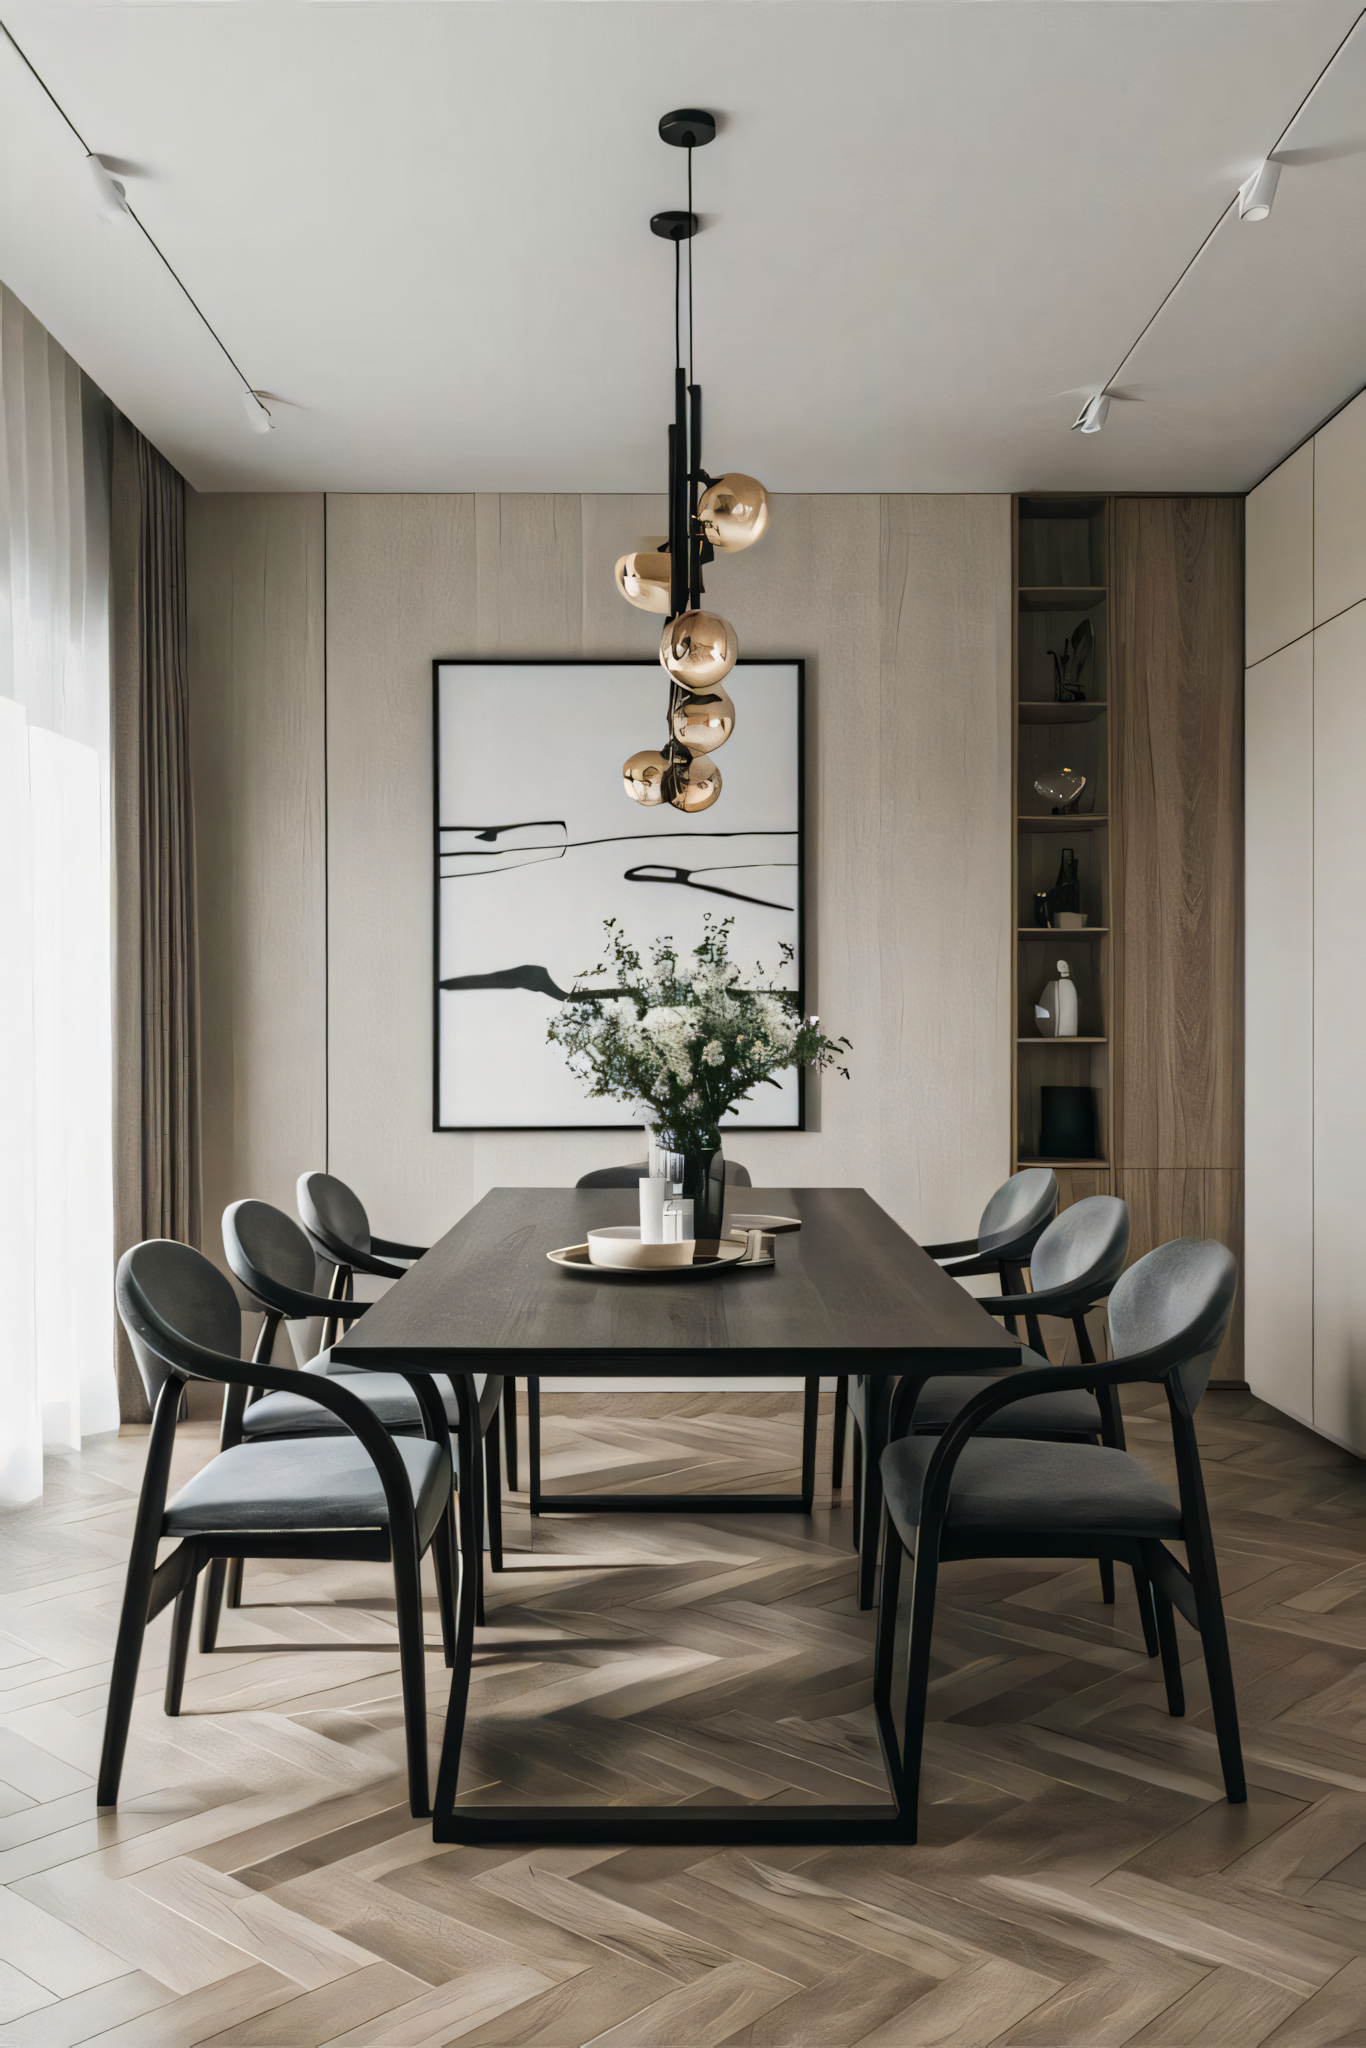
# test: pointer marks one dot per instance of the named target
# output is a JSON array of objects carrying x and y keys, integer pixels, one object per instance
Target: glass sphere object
[
  {"x": 734, "y": 512},
  {"x": 643, "y": 776},
  {"x": 699, "y": 649},
  {"x": 1061, "y": 787},
  {"x": 643, "y": 580},
  {"x": 694, "y": 786},
  {"x": 704, "y": 720}
]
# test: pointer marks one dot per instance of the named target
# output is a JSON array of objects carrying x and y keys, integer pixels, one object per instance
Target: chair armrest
[
  {"x": 1049, "y": 1301},
  {"x": 387, "y": 1249},
  {"x": 963, "y": 1249},
  {"x": 961, "y": 1268}
]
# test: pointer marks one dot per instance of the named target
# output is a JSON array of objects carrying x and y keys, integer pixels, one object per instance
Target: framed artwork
[{"x": 536, "y": 843}]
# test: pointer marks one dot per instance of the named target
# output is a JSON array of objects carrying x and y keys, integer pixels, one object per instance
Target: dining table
[{"x": 849, "y": 1292}]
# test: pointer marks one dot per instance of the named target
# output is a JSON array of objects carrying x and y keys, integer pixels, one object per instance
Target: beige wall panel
[
  {"x": 255, "y": 573},
  {"x": 1278, "y": 1281},
  {"x": 1339, "y": 1006},
  {"x": 1340, "y": 512},
  {"x": 1280, "y": 556},
  {"x": 902, "y": 611}
]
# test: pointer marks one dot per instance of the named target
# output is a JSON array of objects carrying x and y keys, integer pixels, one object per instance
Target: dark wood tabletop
[{"x": 850, "y": 1292}]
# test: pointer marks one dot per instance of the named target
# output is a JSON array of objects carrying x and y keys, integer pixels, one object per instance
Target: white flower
[{"x": 713, "y": 1053}]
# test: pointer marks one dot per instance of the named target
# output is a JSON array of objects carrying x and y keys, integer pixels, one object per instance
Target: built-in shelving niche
[{"x": 1062, "y": 578}]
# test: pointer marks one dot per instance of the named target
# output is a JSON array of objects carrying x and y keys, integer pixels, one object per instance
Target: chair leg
[
  {"x": 1107, "y": 1580},
  {"x": 1171, "y": 1655},
  {"x": 870, "y": 1531},
  {"x": 1209, "y": 1607},
  {"x": 924, "y": 1580},
  {"x": 493, "y": 1494},
  {"x": 443, "y": 1559},
  {"x": 413, "y": 1672},
  {"x": 841, "y": 1424},
  {"x": 510, "y": 1431},
  {"x": 234, "y": 1592},
  {"x": 1147, "y": 1615},
  {"x": 533, "y": 1442},
  {"x": 182, "y": 1622},
  {"x": 856, "y": 1474},
  {"x": 123, "y": 1679},
  {"x": 476, "y": 1479},
  {"x": 213, "y": 1603}
]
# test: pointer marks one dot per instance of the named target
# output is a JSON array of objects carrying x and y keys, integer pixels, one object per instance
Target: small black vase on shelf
[
  {"x": 1067, "y": 1123},
  {"x": 1065, "y": 893}
]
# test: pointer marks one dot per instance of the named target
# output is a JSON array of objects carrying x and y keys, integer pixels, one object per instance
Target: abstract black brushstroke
[
  {"x": 536, "y": 979},
  {"x": 497, "y": 865},
  {"x": 682, "y": 878}
]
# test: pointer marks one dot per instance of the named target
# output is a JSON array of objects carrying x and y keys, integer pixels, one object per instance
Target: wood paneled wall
[
  {"x": 902, "y": 609},
  {"x": 1176, "y": 582}
]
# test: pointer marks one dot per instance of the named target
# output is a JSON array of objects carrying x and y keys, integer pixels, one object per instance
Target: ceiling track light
[
  {"x": 258, "y": 418},
  {"x": 707, "y": 515},
  {"x": 111, "y": 202},
  {"x": 1092, "y": 416},
  {"x": 1257, "y": 194}
]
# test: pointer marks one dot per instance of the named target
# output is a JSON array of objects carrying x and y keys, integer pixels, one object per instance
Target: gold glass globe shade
[
  {"x": 704, "y": 721},
  {"x": 696, "y": 786},
  {"x": 734, "y": 512},
  {"x": 699, "y": 649},
  {"x": 643, "y": 776},
  {"x": 643, "y": 580}
]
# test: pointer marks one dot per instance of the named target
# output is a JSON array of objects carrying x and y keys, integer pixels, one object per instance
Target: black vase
[
  {"x": 704, "y": 1184},
  {"x": 1067, "y": 1123}
]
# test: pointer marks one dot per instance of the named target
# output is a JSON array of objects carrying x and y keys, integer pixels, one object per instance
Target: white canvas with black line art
[{"x": 537, "y": 843}]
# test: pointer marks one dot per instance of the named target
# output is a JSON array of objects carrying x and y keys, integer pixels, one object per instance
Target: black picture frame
[{"x": 448, "y": 661}]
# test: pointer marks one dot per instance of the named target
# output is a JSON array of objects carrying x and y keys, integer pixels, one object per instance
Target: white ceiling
[{"x": 931, "y": 231}]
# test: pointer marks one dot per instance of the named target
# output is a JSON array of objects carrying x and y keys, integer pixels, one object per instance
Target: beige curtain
[{"x": 156, "y": 1008}]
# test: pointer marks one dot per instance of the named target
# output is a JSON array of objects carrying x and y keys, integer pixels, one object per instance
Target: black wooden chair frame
[
  {"x": 150, "y": 1586},
  {"x": 1195, "y": 1591}
]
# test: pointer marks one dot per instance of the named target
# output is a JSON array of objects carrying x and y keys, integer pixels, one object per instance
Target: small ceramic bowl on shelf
[{"x": 620, "y": 1248}]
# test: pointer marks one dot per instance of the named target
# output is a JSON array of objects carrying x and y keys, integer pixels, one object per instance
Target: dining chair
[
  {"x": 273, "y": 1261},
  {"x": 967, "y": 1494},
  {"x": 360, "y": 1494},
  {"x": 737, "y": 1176},
  {"x": 1073, "y": 1266},
  {"x": 338, "y": 1228},
  {"x": 1011, "y": 1225}
]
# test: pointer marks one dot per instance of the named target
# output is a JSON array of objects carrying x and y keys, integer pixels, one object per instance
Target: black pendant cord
[{"x": 692, "y": 374}]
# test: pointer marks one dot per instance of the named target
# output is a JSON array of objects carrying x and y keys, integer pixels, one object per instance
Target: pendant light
[{"x": 707, "y": 516}]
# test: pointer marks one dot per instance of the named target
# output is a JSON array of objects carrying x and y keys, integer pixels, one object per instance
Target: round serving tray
[{"x": 573, "y": 1258}]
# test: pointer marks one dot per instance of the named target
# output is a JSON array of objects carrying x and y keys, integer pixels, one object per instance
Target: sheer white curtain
[{"x": 57, "y": 1380}]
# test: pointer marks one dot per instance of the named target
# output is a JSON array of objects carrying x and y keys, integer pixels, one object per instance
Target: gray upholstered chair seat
[
  {"x": 1013, "y": 1483},
  {"x": 1071, "y": 1412},
  {"x": 318, "y": 1482},
  {"x": 387, "y": 1395}
]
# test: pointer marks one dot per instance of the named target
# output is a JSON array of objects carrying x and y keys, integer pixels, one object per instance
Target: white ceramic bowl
[{"x": 621, "y": 1247}]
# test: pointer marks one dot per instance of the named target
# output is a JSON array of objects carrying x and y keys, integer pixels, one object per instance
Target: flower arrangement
[{"x": 685, "y": 1040}]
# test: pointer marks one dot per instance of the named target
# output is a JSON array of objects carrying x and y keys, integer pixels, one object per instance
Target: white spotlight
[
  {"x": 1256, "y": 196},
  {"x": 258, "y": 419},
  {"x": 112, "y": 202},
  {"x": 1091, "y": 418}
]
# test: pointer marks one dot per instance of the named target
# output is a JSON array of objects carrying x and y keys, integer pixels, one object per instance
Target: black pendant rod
[{"x": 679, "y": 543}]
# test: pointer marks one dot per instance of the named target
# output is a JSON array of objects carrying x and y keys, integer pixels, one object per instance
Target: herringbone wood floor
[{"x": 1079, "y": 1878}]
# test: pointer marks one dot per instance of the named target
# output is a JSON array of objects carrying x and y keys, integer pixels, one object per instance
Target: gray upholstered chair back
[
  {"x": 1018, "y": 1214},
  {"x": 628, "y": 1176},
  {"x": 1086, "y": 1245},
  {"x": 332, "y": 1211},
  {"x": 175, "y": 1285},
  {"x": 1180, "y": 1294},
  {"x": 263, "y": 1244}
]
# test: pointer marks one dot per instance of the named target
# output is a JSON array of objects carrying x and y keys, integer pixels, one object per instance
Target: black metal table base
[
  {"x": 677, "y": 1503},
  {"x": 689, "y": 1827}
]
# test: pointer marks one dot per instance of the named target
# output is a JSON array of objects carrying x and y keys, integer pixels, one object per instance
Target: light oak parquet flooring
[{"x": 1079, "y": 1879}]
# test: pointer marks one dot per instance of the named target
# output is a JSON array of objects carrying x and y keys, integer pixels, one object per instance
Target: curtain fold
[{"x": 157, "y": 1138}]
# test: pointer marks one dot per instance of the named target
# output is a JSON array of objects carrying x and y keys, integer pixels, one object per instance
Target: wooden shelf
[
  {"x": 1074, "y": 597},
  {"x": 1048, "y": 931},
  {"x": 1078, "y": 1040},
  {"x": 1036, "y": 712},
  {"x": 1072, "y": 821},
  {"x": 1099, "y": 1163}
]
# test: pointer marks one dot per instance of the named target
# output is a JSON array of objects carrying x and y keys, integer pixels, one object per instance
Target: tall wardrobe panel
[
  {"x": 1339, "y": 511},
  {"x": 1339, "y": 1014},
  {"x": 1278, "y": 1285},
  {"x": 1280, "y": 556}
]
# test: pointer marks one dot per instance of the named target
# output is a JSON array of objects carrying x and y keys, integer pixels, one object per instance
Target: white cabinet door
[
  {"x": 1340, "y": 1028},
  {"x": 1278, "y": 1264},
  {"x": 1279, "y": 549},
  {"x": 1339, "y": 511}
]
